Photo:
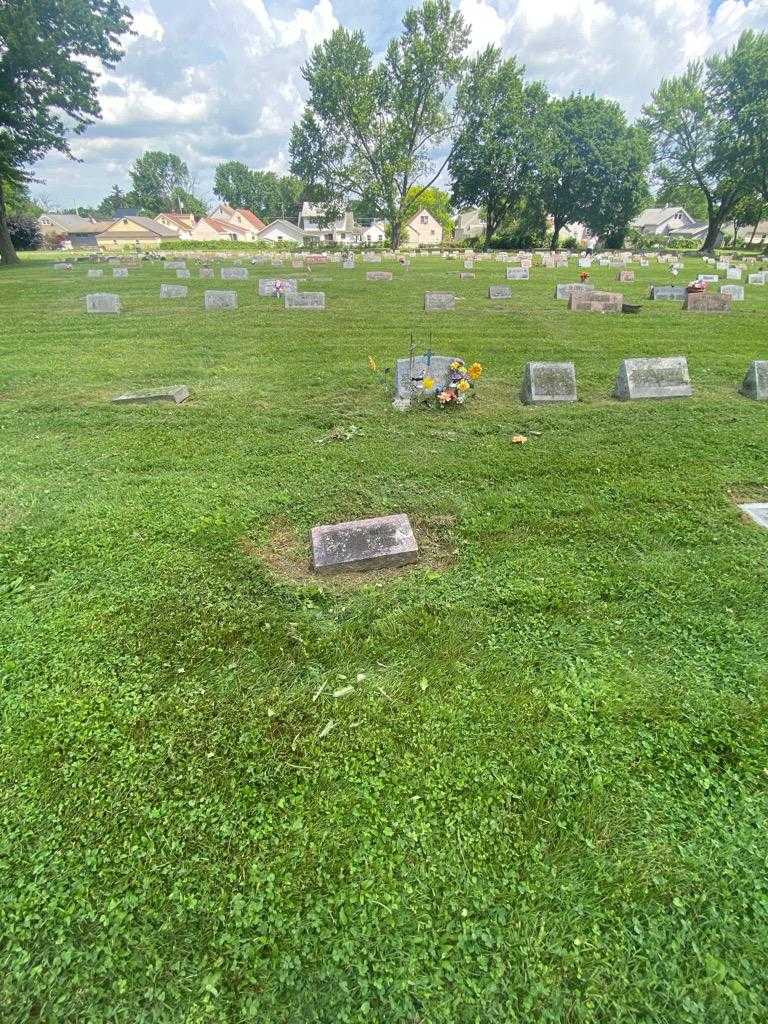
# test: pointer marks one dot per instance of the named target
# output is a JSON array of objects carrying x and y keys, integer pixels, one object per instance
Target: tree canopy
[
  {"x": 48, "y": 49},
  {"x": 370, "y": 131},
  {"x": 269, "y": 195},
  {"x": 162, "y": 184}
]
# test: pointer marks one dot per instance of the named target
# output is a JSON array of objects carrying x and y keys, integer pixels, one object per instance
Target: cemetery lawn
[{"x": 524, "y": 781}]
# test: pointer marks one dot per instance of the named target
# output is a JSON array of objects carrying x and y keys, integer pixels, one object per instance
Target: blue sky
[{"x": 214, "y": 80}]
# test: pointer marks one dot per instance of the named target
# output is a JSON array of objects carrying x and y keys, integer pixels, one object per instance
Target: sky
[{"x": 215, "y": 80}]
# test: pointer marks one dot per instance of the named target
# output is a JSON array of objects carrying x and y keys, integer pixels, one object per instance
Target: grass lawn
[{"x": 544, "y": 797}]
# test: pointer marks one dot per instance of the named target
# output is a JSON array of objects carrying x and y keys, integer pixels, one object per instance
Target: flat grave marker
[
  {"x": 173, "y": 291},
  {"x": 95, "y": 273},
  {"x": 234, "y": 274},
  {"x": 518, "y": 274},
  {"x": 435, "y": 302},
  {"x": 378, "y": 275},
  {"x": 305, "y": 300},
  {"x": 363, "y": 544},
  {"x": 757, "y": 512},
  {"x": 220, "y": 300},
  {"x": 267, "y": 286},
  {"x": 499, "y": 291},
  {"x": 178, "y": 395}
]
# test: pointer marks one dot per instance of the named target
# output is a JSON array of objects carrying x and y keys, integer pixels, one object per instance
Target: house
[
  {"x": 139, "y": 231},
  {"x": 74, "y": 231},
  {"x": 342, "y": 230},
  {"x": 211, "y": 229},
  {"x": 181, "y": 222},
  {"x": 247, "y": 220},
  {"x": 423, "y": 229},
  {"x": 754, "y": 234},
  {"x": 662, "y": 220},
  {"x": 696, "y": 230},
  {"x": 577, "y": 231},
  {"x": 281, "y": 231},
  {"x": 222, "y": 212},
  {"x": 469, "y": 224},
  {"x": 374, "y": 234}
]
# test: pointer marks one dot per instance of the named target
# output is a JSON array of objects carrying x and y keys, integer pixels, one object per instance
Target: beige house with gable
[
  {"x": 423, "y": 229},
  {"x": 138, "y": 231}
]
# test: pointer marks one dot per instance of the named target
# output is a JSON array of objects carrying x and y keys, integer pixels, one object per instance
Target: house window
[
  {"x": 425, "y": 220},
  {"x": 432, "y": 231}
]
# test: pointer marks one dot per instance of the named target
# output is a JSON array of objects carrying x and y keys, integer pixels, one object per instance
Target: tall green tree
[
  {"x": 369, "y": 130},
  {"x": 268, "y": 194},
  {"x": 162, "y": 184},
  {"x": 499, "y": 150},
  {"x": 47, "y": 88},
  {"x": 670, "y": 192},
  {"x": 700, "y": 143},
  {"x": 595, "y": 168}
]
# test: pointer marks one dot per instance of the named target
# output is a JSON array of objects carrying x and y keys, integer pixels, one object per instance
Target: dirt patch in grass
[
  {"x": 747, "y": 491},
  {"x": 286, "y": 552}
]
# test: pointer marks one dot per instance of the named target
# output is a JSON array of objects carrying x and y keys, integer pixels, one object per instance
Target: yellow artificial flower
[
  {"x": 372, "y": 363},
  {"x": 475, "y": 371},
  {"x": 463, "y": 385},
  {"x": 428, "y": 383},
  {"x": 456, "y": 364}
]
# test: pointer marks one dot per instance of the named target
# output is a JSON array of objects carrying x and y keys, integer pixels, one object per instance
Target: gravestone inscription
[
  {"x": 654, "y": 378},
  {"x": 220, "y": 300},
  {"x": 234, "y": 273},
  {"x": 363, "y": 544},
  {"x": 305, "y": 300},
  {"x": 707, "y": 302},
  {"x": 102, "y": 302},
  {"x": 544, "y": 383},
  {"x": 437, "y": 301},
  {"x": 173, "y": 291},
  {"x": 499, "y": 291}
]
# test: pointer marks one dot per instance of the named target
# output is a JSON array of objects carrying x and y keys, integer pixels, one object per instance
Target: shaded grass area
[{"x": 544, "y": 797}]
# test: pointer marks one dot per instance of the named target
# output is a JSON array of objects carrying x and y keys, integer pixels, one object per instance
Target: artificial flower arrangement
[{"x": 459, "y": 387}]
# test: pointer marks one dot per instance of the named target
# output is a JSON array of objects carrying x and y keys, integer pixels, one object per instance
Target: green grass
[{"x": 545, "y": 798}]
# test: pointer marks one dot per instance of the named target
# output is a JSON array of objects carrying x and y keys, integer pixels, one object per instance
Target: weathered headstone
[
  {"x": 436, "y": 301},
  {"x": 363, "y": 544},
  {"x": 585, "y": 263},
  {"x": 95, "y": 273},
  {"x": 465, "y": 275},
  {"x": 548, "y": 382},
  {"x": 735, "y": 291},
  {"x": 733, "y": 273},
  {"x": 707, "y": 302},
  {"x": 499, "y": 291},
  {"x": 755, "y": 383},
  {"x": 518, "y": 274},
  {"x": 757, "y": 512},
  {"x": 565, "y": 291},
  {"x": 654, "y": 378},
  {"x": 305, "y": 300},
  {"x": 267, "y": 286},
  {"x": 709, "y": 278},
  {"x": 757, "y": 278},
  {"x": 378, "y": 275},
  {"x": 173, "y": 291},
  {"x": 596, "y": 302},
  {"x": 626, "y": 276},
  {"x": 469, "y": 264},
  {"x": 178, "y": 395},
  {"x": 410, "y": 375},
  {"x": 220, "y": 300},
  {"x": 176, "y": 264},
  {"x": 120, "y": 272},
  {"x": 234, "y": 273},
  {"x": 102, "y": 302},
  {"x": 668, "y": 292},
  {"x": 182, "y": 274},
  {"x": 205, "y": 272}
]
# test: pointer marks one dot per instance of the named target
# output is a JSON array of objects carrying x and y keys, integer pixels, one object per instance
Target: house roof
[
  {"x": 224, "y": 226},
  {"x": 656, "y": 215},
  {"x": 224, "y": 208},
  {"x": 251, "y": 217},
  {"x": 177, "y": 218},
  {"x": 696, "y": 228},
  {"x": 70, "y": 222},
  {"x": 286, "y": 227},
  {"x": 761, "y": 229},
  {"x": 148, "y": 225}
]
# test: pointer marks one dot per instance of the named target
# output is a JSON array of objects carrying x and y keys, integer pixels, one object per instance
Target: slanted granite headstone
[
  {"x": 654, "y": 378},
  {"x": 733, "y": 273},
  {"x": 102, "y": 302},
  {"x": 234, "y": 273},
  {"x": 410, "y": 375},
  {"x": 707, "y": 302},
  {"x": 378, "y": 275},
  {"x": 182, "y": 274},
  {"x": 709, "y": 278},
  {"x": 205, "y": 272},
  {"x": 178, "y": 395},
  {"x": 95, "y": 273},
  {"x": 267, "y": 286},
  {"x": 565, "y": 291},
  {"x": 120, "y": 272},
  {"x": 669, "y": 292},
  {"x": 437, "y": 301},
  {"x": 626, "y": 276},
  {"x": 757, "y": 512},
  {"x": 518, "y": 274},
  {"x": 548, "y": 382},
  {"x": 736, "y": 291},
  {"x": 760, "y": 278},
  {"x": 596, "y": 302},
  {"x": 363, "y": 544},
  {"x": 305, "y": 300},
  {"x": 173, "y": 291},
  {"x": 466, "y": 276},
  {"x": 220, "y": 300},
  {"x": 499, "y": 291},
  {"x": 176, "y": 264},
  {"x": 755, "y": 383}
]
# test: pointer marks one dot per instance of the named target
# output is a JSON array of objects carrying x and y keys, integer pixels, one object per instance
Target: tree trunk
[
  {"x": 710, "y": 242},
  {"x": 555, "y": 235},
  {"x": 8, "y": 255},
  {"x": 395, "y": 234}
]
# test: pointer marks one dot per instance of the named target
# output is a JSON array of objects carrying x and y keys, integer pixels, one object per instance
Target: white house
[
  {"x": 375, "y": 233},
  {"x": 211, "y": 229},
  {"x": 281, "y": 231},
  {"x": 757, "y": 234},
  {"x": 342, "y": 231},
  {"x": 469, "y": 224},
  {"x": 183, "y": 223},
  {"x": 423, "y": 229},
  {"x": 663, "y": 220}
]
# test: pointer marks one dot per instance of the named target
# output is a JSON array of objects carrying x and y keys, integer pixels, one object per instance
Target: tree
[
  {"x": 368, "y": 130},
  {"x": 497, "y": 156},
  {"x": 47, "y": 87},
  {"x": 24, "y": 231},
  {"x": 433, "y": 199},
  {"x": 747, "y": 213},
  {"x": 162, "y": 183},
  {"x": 116, "y": 200},
  {"x": 595, "y": 170},
  {"x": 266, "y": 193},
  {"x": 700, "y": 144},
  {"x": 673, "y": 193}
]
